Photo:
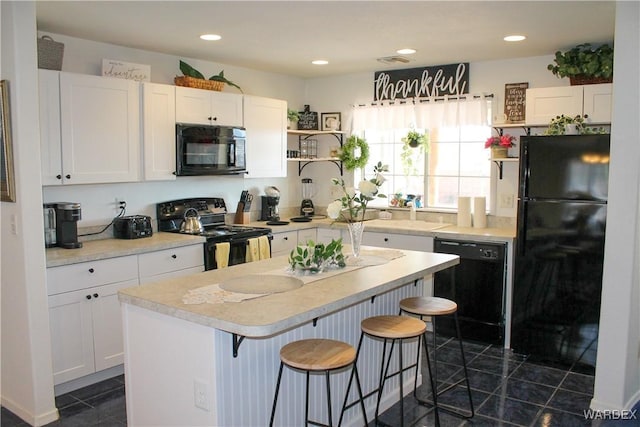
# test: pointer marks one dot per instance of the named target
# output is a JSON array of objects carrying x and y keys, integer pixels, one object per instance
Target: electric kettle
[{"x": 191, "y": 224}]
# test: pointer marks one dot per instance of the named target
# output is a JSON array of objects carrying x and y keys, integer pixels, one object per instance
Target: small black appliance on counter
[
  {"x": 67, "y": 216},
  {"x": 132, "y": 227}
]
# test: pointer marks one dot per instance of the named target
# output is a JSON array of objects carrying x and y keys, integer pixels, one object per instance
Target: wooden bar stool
[
  {"x": 394, "y": 328},
  {"x": 318, "y": 355},
  {"x": 434, "y": 307}
]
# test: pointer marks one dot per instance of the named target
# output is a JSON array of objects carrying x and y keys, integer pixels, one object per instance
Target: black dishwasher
[{"x": 477, "y": 285}]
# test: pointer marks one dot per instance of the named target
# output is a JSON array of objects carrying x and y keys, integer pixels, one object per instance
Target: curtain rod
[{"x": 420, "y": 100}]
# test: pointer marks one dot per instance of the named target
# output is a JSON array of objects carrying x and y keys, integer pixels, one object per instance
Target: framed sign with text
[
  {"x": 424, "y": 82},
  {"x": 515, "y": 96}
]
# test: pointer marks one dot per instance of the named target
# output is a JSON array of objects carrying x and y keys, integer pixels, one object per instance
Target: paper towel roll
[
  {"x": 464, "y": 211},
  {"x": 479, "y": 212}
]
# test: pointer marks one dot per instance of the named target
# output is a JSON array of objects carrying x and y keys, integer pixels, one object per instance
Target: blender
[{"x": 306, "y": 207}]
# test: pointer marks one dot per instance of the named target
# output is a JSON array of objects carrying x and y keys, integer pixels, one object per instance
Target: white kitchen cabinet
[
  {"x": 397, "y": 241},
  {"x": 91, "y": 129},
  {"x": 207, "y": 107},
  {"x": 307, "y": 234},
  {"x": 326, "y": 235},
  {"x": 544, "y": 104},
  {"x": 168, "y": 263},
  {"x": 85, "y": 319},
  {"x": 283, "y": 243},
  {"x": 159, "y": 131},
  {"x": 266, "y": 122}
]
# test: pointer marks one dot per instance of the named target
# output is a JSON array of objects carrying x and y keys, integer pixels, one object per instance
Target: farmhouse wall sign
[
  {"x": 424, "y": 82},
  {"x": 515, "y": 102},
  {"x": 308, "y": 119}
]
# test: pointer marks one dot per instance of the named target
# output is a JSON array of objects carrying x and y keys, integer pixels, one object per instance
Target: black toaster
[{"x": 132, "y": 227}]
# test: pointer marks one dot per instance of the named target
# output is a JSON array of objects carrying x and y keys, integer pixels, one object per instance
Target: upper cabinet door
[
  {"x": 597, "y": 102},
  {"x": 266, "y": 123},
  {"x": 206, "y": 107},
  {"x": 544, "y": 104},
  {"x": 100, "y": 128},
  {"x": 159, "y": 131},
  {"x": 50, "y": 143}
]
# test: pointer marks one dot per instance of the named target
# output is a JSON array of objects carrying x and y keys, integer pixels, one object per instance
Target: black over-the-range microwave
[{"x": 210, "y": 150}]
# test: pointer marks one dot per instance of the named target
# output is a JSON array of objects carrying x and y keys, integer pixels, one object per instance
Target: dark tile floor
[{"x": 507, "y": 390}]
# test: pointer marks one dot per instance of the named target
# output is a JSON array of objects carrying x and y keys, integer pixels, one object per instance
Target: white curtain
[{"x": 424, "y": 114}]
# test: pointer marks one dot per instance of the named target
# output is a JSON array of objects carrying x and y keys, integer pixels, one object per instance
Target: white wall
[
  {"x": 27, "y": 378},
  {"x": 618, "y": 364}
]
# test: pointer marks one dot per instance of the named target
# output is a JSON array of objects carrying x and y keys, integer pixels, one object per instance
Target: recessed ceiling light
[
  {"x": 320, "y": 62},
  {"x": 210, "y": 37},
  {"x": 407, "y": 51},
  {"x": 514, "y": 38}
]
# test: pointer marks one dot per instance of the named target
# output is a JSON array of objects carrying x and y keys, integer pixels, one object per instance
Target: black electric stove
[{"x": 212, "y": 211}]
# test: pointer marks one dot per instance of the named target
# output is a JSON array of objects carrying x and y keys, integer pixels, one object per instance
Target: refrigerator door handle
[{"x": 521, "y": 241}]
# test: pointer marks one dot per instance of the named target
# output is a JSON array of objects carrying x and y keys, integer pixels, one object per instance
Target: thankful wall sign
[{"x": 440, "y": 80}]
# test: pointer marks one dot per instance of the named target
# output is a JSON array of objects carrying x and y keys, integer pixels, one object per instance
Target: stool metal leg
[
  {"x": 464, "y": 365},
  {"x": 354, "y": 372},
  {"x": 306, "y": 403},
  {"x": 275, "y": 397},
  {"x": 432, "y": 380},
  {"x": 329, "y": 400}
]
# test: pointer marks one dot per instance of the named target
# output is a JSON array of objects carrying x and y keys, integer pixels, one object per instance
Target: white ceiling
[{"x": 285, "y": 36}]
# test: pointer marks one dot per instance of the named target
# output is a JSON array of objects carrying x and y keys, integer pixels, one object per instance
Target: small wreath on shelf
[{"x": 347, "y": 155}]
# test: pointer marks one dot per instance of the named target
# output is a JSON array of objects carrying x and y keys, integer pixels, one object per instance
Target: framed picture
[
  {"x": 330, "y": 121},
  {"x": 7, "y": 184}
]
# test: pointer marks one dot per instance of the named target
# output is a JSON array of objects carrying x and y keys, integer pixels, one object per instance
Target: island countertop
[{"x": 274, "y": 313}]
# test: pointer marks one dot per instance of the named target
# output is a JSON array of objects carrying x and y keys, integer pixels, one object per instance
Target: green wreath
[{"x": 348, "y": 150}]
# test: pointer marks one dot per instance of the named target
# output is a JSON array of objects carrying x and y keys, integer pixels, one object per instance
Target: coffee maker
[
  {"x": 270, "y": 208},
  {"x": 67, "y": 216}
]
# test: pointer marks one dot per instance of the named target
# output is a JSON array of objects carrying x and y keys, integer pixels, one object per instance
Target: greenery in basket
[
  {"x": 292, "y": 115},
  {"x": 189, "y": 71},
  {"x": 583, "y": 60},
  {"x": 557, "y": 126},
  {"x": 316, "y": 257},
  {"x": 413, "y": 149}
]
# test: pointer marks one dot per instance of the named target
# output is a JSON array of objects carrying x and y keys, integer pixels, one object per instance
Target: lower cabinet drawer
[
  {"x": 283, "y": 243},
  {"x": 84, "y": 275},
  {"x": 168, "y": 260}
]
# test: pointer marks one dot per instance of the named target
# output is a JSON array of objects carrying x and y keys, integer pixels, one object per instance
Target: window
[{"x": 455, "y": 165}]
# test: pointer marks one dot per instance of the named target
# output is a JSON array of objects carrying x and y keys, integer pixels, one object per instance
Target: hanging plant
[
  {"x": 355, "y": 153},
  {"x": 413, "y": 149}
]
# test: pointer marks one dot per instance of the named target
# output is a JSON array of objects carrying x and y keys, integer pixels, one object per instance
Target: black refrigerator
[{"x": 562, "y": 213}]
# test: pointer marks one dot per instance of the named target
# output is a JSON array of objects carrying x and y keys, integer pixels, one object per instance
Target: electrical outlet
[
  {"x": 201, "y": 394},
  {"x": 119, "y": 204},
  {"x": 506, "y": 201}
]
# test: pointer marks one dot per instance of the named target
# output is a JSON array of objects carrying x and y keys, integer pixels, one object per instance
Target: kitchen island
[{"x": 215, "y": 364}]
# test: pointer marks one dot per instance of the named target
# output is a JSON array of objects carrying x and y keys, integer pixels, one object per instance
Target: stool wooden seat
[
  {"x": 428, "y": 306},
  {"x": 434, "y": 307},
  {"x": 391, "y": 328},
  {"x": 317, "y": 355}
]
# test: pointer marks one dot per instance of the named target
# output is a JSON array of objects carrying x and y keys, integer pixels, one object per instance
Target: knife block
[{"x": 241, "y": 217}]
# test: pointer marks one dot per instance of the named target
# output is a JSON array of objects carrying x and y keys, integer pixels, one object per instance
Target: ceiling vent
[{"x": 393, "y": 60}]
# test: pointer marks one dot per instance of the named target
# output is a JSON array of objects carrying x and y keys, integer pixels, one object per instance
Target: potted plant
[
  {"x": 584, "y": 65},
  {"x": 500, "y": 145},
  {"x": 566, "y": 125},
  {"x": 292, "y": 117},
  {"x": 194, "y": 78},
  {"x": 316, "y": 257},
  {"x": 415, "y": 145}
]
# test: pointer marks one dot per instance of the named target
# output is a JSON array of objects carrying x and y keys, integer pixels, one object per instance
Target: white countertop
[
  {"x": 272, "y": 314},
  {"x": 111, "y": 248}
]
